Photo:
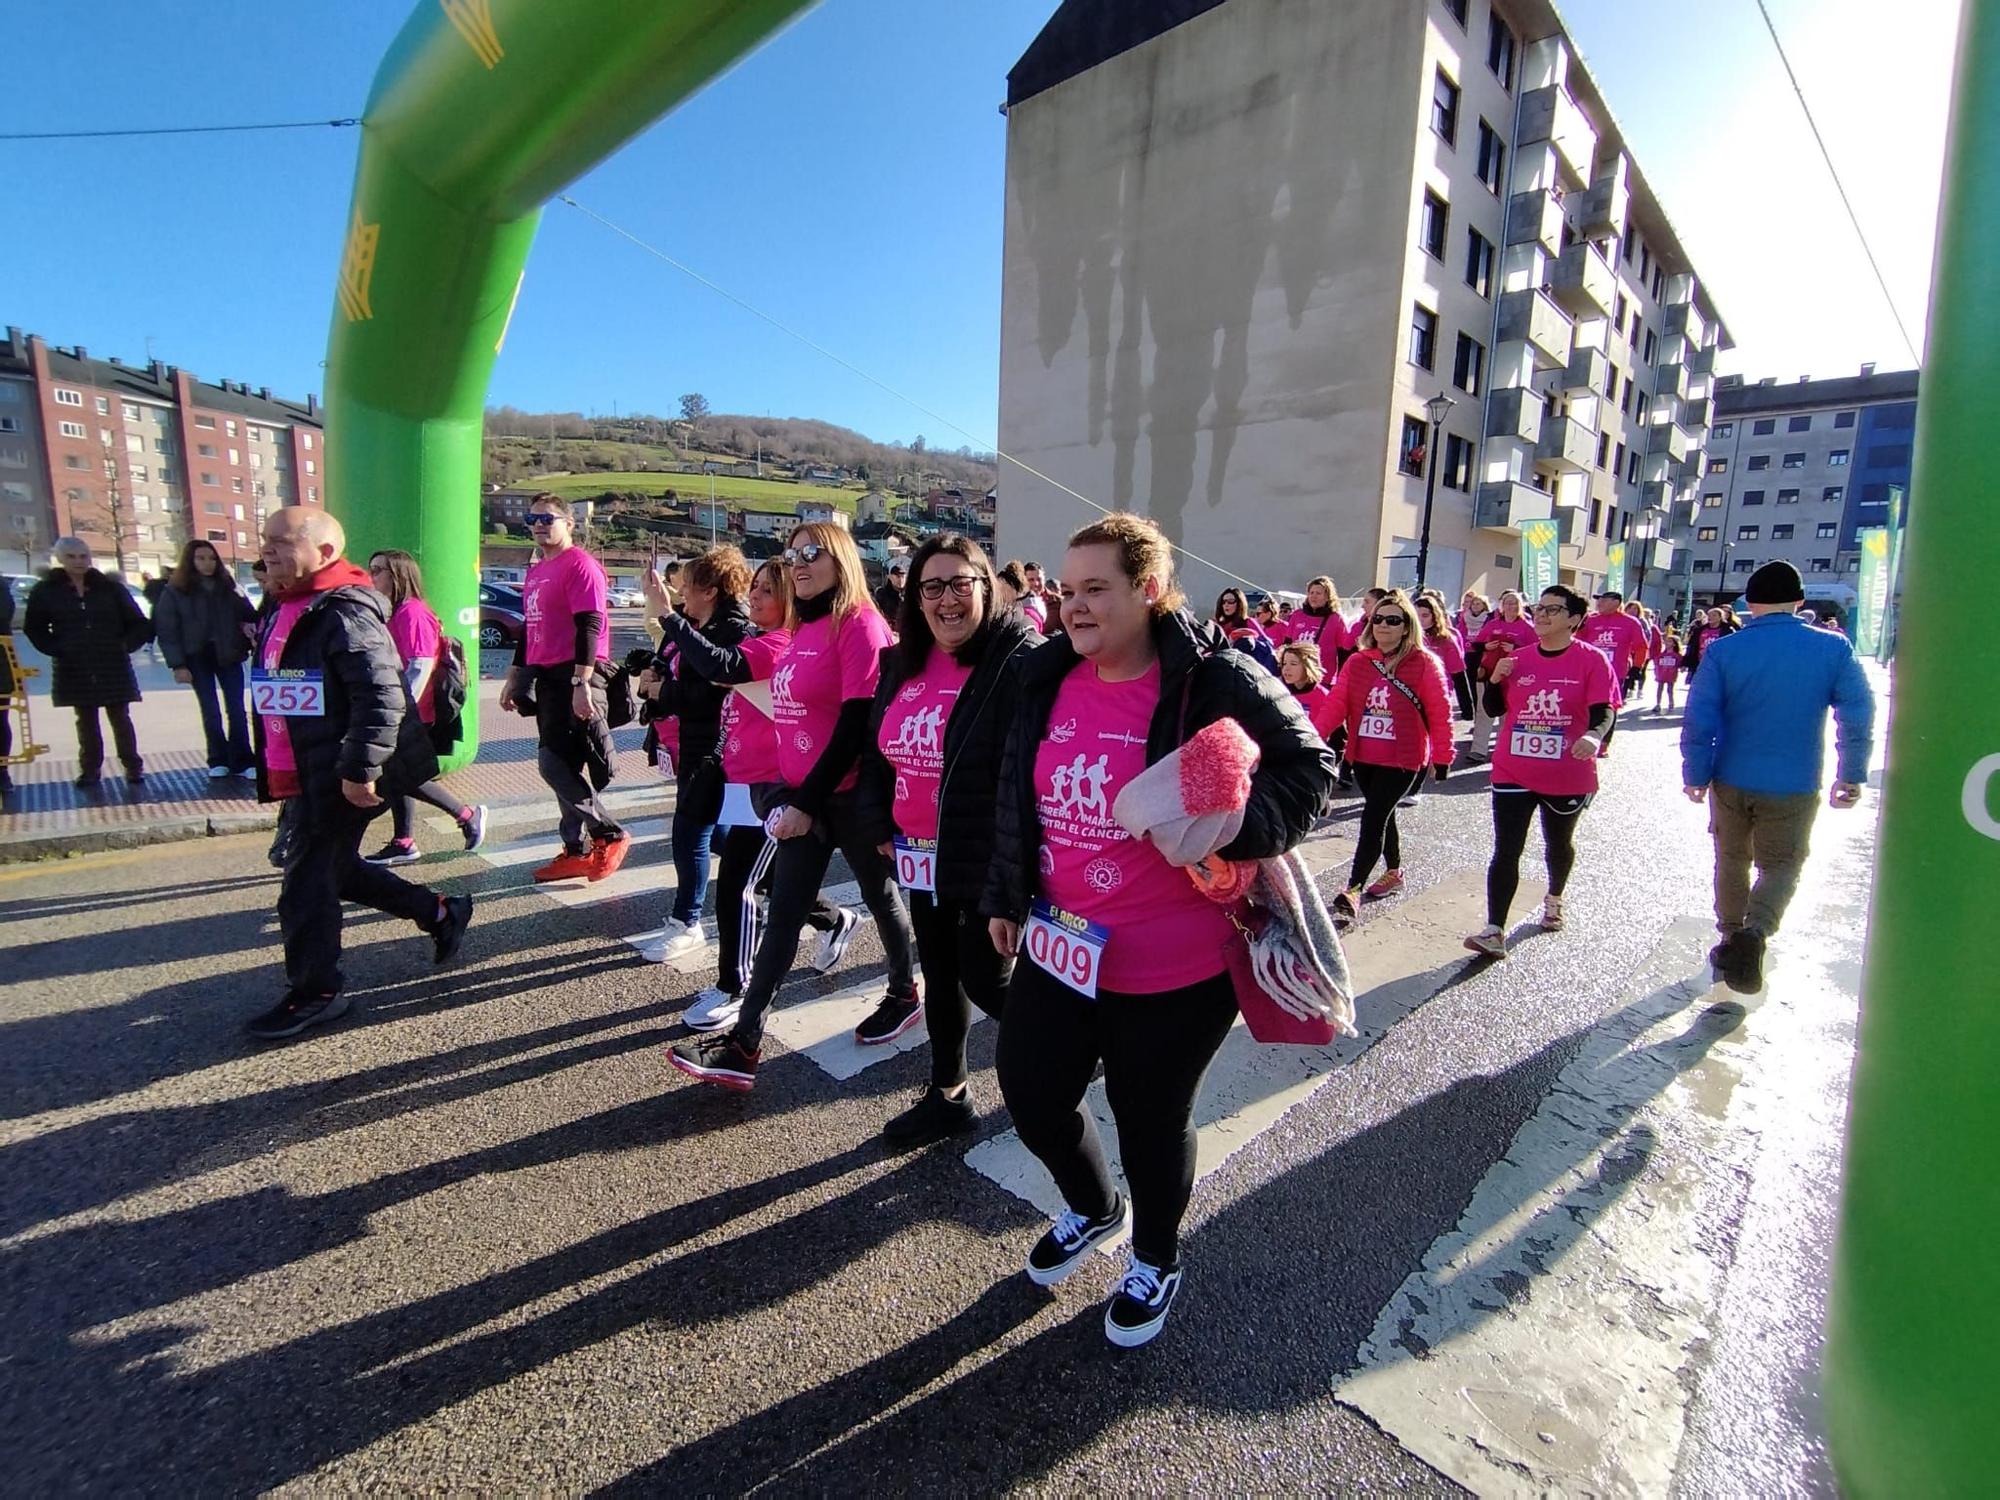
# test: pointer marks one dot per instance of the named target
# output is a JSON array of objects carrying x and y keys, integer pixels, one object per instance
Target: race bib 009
[
  {"x": 293, "y": 694},
  {"x": 1065, "y": 945}
]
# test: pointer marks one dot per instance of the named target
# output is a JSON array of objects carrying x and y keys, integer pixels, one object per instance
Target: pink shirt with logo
[
  {"x": 419, "y": 637},
  {"x": 1619, "y": 637},
  {"x": 830, "y": 661},
  {"x": 912, "y": 740},
  {"x": 1520, "y": 633},
  {"x": 557, "y": 590},
  {"x": 1667, "y": 665},
  {"x": 1549, "y": 699},
  {"x": 1164, "y": 933},
  {"x": 1331, "y": 634},
  {"x": 281, "y": 766},
  {"x": 749, "y": 737}
]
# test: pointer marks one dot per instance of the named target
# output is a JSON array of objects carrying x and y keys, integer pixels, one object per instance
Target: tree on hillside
[{"x": 694, "y": 406}]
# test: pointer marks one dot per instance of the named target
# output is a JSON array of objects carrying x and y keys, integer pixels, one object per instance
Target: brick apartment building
[{"x": 138, "y": 459}]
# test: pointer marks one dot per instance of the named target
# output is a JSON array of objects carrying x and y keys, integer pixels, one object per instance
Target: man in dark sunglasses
[{"x": 561, "y": 669}]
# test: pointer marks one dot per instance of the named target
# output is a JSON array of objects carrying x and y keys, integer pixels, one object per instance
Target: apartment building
[
  {"x": 138, "y": 459},
  {"x": 1792, "y": 472},
  {"x": 1249, "y": 240}
]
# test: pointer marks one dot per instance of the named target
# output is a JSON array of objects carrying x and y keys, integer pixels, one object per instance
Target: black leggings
[
  {"x": 1462, "y": 684},
  {"x": 1155, "y": 1050},
  {"x": 1382, "y": 787},
  {"x": 1513, "y": 810},
  {"x": 797, "y": 871},
  {"x": 747, "y": 854},
  {"x": 962, "y": 969},
  {"x": 404, "y": 809}
]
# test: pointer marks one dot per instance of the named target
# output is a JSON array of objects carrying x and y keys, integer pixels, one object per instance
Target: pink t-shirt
[
  {"x": 1448, "y": 651},
  {"x": 419, "y": 637},
  {"x": 912, "y": 738},
  {"x": 1164, "y": 934},
  {"x": 1619, "y": 637},
  {"x": 281, "y": 766},
  {"x": 1520, "y": 632},
  {"x": 1330, "y": 634},
  {"x": 558, "y": 589},
  {"x": 1548, "y": 711},
  {"x": 1667, "y": 665},
  {"x": 830, "y": 661},
  {"x": 749, "y": 738},
  {"x": 1317, "y": 701}
]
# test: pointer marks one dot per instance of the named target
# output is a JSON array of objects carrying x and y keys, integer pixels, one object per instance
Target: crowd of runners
[{"x": 1068, "y": 800}]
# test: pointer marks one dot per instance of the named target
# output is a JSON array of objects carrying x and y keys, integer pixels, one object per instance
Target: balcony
[
  {"x": 1659, "y": 495},
  {"x": 1570, "y": 529},
  {"x": 1565, "y": 444},
  {"x": 1670, "y": 380},
  {"x": 1549, "y": 114},
  {"x": 1506, "y": 506},
  {"x": 1603, "y": 207},
  {"x": 1671, "y": 440},
  {"x": 1589, "y": 370},
  {"x": 1583, "y": 282},
  {"x": 1684, "y": 319},
  {"x": 1702, "y": 361},
  {"x": 1515, "y": 412},
  {"x": 1694, "y": 468},
  {"x": 1697, "y": 414},
  {"x": 1535, "y": 318},
  {"x": 1655, "y": 556},
  {"x": 1535, "y": 218}
]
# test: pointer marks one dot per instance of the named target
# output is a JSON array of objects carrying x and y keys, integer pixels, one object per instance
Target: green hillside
[{"x": 744, "y": 493}]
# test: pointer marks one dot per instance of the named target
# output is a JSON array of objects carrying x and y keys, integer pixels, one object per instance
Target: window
[
  {"x": 1423, "y": 340},
  {"x": 1799, "y": 424},
  {"x": 1758, "y": 462},
  {"x": 1596, "y": 515},
  {"x": 1746, "y": 564},
  {"x": 70, "y": 429},
  {"x": 1781, "y": 533},
  {"x": 1833, "y": 492},
  {"x": 230, "y": 427},
  {"x": 242, "y": 539},
  {"x": 1431, "y": 221},
  {"x": 211, "y": 507},
  {"x": 1632, "y": 469},
  {"x": 1837, "y": 459},
  {"x": 1746, "y": 533},
  {"x": 131, "y": 411},
  {"x": 1827, "y": 529},
  {"x": 1764, "y": 427},
  {"x": 1843, "y": 419},
  {"x": 236, "y": 511},
  {"x": 1788, "y": 497},
  {"x": 205, "y": 423},
  {"x": 1798, "y": 461},
  {"x": 1618, "y": 313},
  {"x": 10, "y": 424},
  {"x": 1603, "y": 448},
  {"x": 1652, "y": 345},
  {"x": 1492, "y": 157},
  {"x": 1645, "y": 404},
  {"x": 236, "y": 485},
  {"x": 1468, "y": 366},
  {"x": 205, "y": 450},
  {"x": 216, "y": 536},
  {"x": 141, "y": 503},
  {"x": 254, "y": 433},
  {"x": 1712, "y": 500},
  {"x": 1659, "y": 281},
  {"x": 1500, "y": 49},
  {"x": 1410, "y": 455},
  {"x": 68, "y": 398},
  {"x": 1852, "y": 565},
  {"x": 312, "y": 494},
  {"x": 1457, "y": 9},
  {"x": 236, "y": 455},
  {"x": 1718, "y": 466},
  {"x": 1822, "y": 565},
  {"x": 307, "y": 439},
  {"x": 72, "y": 461},
  {"x": 104, "y": 406},
  {"x": 1725, "y": 429},
  {"x": 1753, "y": 497},
  {"x": 1706, "y": 533},
  {"x": 313, "y": 468},
  {"x": 1618, "y": 461},
  {"x": 1457, "y": 462},
  {"x": 1444, "y": 107},
  {"x": 1479, "y": 262},
  {"x": 1704, "y": 565},
  {"x": 138, "y": 473},
  {"x": 1892, "y": 457},
  {"x": 207, "y": 478}
]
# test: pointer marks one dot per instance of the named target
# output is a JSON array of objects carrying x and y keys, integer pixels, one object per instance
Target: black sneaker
[
  {"x": 450, "y": 930},
  {"x": 894, "y": 1016},
  {"x": 1138, "y": 1309},
  {"x": 1057, "y": 1254},
  {"x": 296, "y": 1013},
  {"x": 716, "y": 1059},
  {"x": 395, "y": 852},
  {"x": 1742, "y": 963},
  {"x": 90, "y": 779},
  {"x": 473, "y": 827},
  {"x": 933, "y": 1117}
]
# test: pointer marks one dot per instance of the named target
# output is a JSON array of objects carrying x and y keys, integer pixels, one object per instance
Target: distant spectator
[
  {"x": 88, "y": 626},
  {"x": 889, "y": 597},
  {"x": 198, "y": 619},
  {"x": 1013, "y": 592},
  {"x": 6, "y": 684}
]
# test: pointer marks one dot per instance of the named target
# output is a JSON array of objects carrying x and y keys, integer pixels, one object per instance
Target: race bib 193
[
  {"x": 293, "y": 694},
  {"x": 1537, "y": 744},
  {"x": 1377, "y": 727},
  {"x": 1065, "y": 945},
  {"x": 916, "y": 864}
]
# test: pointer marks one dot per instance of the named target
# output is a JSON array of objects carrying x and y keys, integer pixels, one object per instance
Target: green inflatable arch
[{"x": 481, "y": 110}]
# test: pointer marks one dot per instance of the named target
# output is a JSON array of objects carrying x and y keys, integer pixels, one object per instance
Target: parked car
[
  {"x": 502, "y": 617},
  {"x": 627, "y": 598}
]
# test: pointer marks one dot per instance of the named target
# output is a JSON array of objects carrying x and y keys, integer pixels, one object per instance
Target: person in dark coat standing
[
  {"x": 6, "y": 685},
  {"x": 198, "y": 620},
  {"x": 88, "y": 626},
  {"x": 337, "y": 737}
]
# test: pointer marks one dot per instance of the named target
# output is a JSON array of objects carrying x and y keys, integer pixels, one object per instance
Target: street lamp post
[{"x": 1437, "y": 409}]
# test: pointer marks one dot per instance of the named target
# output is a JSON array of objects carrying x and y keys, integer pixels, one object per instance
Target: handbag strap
[{"x": 1405, "y": 689}]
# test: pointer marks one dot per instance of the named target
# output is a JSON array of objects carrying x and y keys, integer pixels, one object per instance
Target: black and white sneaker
[
  {"x": 450, "y": 929},
  {"x": 832, "y": 947},
  {"x": 717, "y": 1059},
  {"x": 1057, "y": 1254},
  {"x": 395, "y": 852},
  {"x": 296, "y": 1013},
  {"x": 473, "y": 827},
  {"x": 894, "y": 1016},
  {"x": 1138, "y": 1309}
]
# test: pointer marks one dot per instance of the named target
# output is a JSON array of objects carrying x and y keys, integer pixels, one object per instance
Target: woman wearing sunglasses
[
  {"x": 928, "y": 780},
  {"x": 1389, "y": 701},
  {"x": 821, "y": 692}
]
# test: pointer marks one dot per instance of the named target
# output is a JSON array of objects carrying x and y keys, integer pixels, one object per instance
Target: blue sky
[{"x": 858, "y": 163}]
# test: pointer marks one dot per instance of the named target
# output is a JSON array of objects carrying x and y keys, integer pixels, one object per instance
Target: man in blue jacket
[{"x": 1752, "y": 746}]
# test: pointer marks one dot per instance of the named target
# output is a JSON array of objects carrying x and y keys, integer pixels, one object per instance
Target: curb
[{"x": 27, "y": 848}]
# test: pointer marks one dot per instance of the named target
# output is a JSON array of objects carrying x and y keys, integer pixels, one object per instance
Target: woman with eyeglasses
[
  {"x": 1560, "y": 698},
  {"x": 928, "y": 780},
  {"x": 821, "y": 693},
  {"x": 1389, "y": 703},
  {"x": 1120, "y": 958}
]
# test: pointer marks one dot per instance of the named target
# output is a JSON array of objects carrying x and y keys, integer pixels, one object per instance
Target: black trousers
[
  {"x": 742, "y": 875},
  {"x": 1155, "y": 1050},
  {"x": 433, "y": 792},
  {"x": 1513, "y": 810},
  {"x": 1382, "y": 787},
  {"x": 325, "y": 869},
  {"x": 798, "y": 869},
  {"x": 962, "y": 969},
  {"x": 90, "y": 738},
  {"x": 1461, "y": 683}
]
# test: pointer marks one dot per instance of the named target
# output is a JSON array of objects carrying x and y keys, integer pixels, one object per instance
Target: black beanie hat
[{"x": 1776, "y": 583}]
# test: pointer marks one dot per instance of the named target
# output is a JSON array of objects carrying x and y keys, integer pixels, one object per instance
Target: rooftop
[
  {"x": 1841, "y": 390},
  {"x": 155, "y": 382}
]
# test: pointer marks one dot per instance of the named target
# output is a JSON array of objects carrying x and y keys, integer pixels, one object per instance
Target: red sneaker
[
  {"x": 566, "y": 866},
  {"x": 1390, "y": 883},
  {"x": 606, "y": 855}
]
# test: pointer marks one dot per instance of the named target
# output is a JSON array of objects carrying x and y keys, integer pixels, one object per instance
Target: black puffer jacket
[
  {"x": 370, "y": 730},
  {"x": 209, "y": 616},
  {"x": 690, "y": 696},
  {"x": 973, "y": 738},
  {"x": 89, "y": 637},
  {"x": 1201, "y": 680}
]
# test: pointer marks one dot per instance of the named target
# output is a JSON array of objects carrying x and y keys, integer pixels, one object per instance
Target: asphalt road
[{"x": 477, "y": 1236}]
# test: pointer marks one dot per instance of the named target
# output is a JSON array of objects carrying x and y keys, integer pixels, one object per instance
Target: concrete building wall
[{"x": 27, "y": 518}]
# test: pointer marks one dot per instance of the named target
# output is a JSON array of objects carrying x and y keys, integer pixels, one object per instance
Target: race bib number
[
  {"x": 296, "y": 694},
  {"x": 736, "y": 809},
  {"x": 916, "y": 864},
  {"x": 1066, "y": 945},
  {"x": 1377, "y": 727},
  {"x": 1537, "y": 744}
]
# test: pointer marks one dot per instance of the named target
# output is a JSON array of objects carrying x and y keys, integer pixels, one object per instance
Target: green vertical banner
[
  {"x": 1871, "y": 590},
  {"x": 1614, "y": 568},
  {"x": 1539, "y": 544},
  {"x": 1913, "y": 1319},
  {"x": 1893, "y": 589}
]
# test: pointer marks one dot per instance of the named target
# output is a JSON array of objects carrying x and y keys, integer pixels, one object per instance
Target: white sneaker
[
  {"x": 833, "y": 945},
  {"x": 1490, "y": 942},
  {"x": 248, "y": 773},
  {"x": 713, "y": 1010},
  {"x": 1552, "y": 913},
  {"x": 676, "y": 940},
  {"x": 218, "y": 773}
]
